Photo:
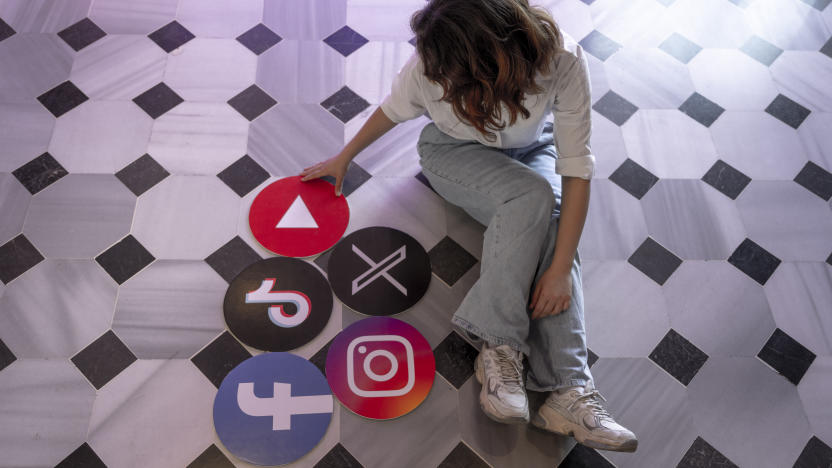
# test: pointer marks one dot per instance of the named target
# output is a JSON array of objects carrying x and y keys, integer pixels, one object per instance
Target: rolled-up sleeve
[
  {"x": 572, "y": 113},
  {"x": 405, "y": 100}
]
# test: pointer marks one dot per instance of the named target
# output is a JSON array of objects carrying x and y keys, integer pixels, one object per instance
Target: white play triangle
[{"x": 297, "y": 216}]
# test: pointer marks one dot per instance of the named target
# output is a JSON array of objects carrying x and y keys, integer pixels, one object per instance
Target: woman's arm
[{"x": 573, "y": 211}]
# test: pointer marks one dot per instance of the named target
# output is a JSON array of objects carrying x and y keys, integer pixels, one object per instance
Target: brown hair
[{"x": 485, "y": 53}]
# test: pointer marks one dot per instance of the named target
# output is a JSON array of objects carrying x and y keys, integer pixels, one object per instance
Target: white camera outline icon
[{"x": 409, "y": 357}]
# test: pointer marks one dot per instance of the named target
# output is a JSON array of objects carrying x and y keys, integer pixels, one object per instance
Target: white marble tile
[
  {"x": 649, "y": 78},
  {"x": 57, "y": 308},
  {"x": 635, "y": 23},
  {"x": 625, "y": 312},
  {"x": 155, "y": 413},
  {"x": 725, "y": 314},
  {"x": 101, "y": 136},
  {"x": 200, "y": 72},
  {"x": 218, "y": 18},
  {"x": 186, "y": 217},
  {"x": 45, "y": 16},
  {"x": 305, "y": 19},
  {"x": 787, "y": 220},
  {"x": 199, "y": 138},
  {"x": 243, "y": 226},
  {"x": 572, "y": 16},
  {"x": 608, "y": 146},
  {"x": 758, "y": 145},
  {"x": 394, "y": 154},
  {"x": 118, "y": 67},
  {"x": 14, "y": 201},
  {"x": 734, "y": 400},
  {"x": 598, "y": 81},
  {"x": 614, "y": 226},
  {"x": 371, "y": 69},
  {"x": 669, "y": 143},
  {"x": 32, "y": 65},
  {"x": 171, "y": 309},
  {"x": 134, "y": 16},
  {"x": 814, "y": 393},
  {"x": 816, "y": 137},
  {"x": 732, "y": 79},
  {"x": 803, "y": 76},
  {"x": 710, "y": 23},
  {"x": 788, "y": 25},
  {"x": 25, "y": 130},
  {"x": 79, "y": 216},
  {"x": 380, "y": 20},
  {"x": 800, "y": 295},
  {"x": 300, "y": 71}
]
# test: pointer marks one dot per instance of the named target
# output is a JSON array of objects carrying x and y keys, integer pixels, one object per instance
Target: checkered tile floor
[{"x": 135, "y": 134}]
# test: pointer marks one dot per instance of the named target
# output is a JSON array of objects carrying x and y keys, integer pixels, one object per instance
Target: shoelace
[
  {"x": 595, "y": 405},
  {"x": 510, "y": 373}
]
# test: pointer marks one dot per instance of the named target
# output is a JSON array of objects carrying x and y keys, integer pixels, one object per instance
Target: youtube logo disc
[
  {"x": 278, "y": 304},
  {"x": 298, "y": 219}
]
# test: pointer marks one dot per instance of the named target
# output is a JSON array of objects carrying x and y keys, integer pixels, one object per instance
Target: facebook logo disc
[{"x": 272, "y": 409}]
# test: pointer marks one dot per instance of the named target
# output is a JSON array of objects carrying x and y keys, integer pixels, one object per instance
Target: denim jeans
[{"x": 516, "y": 193}]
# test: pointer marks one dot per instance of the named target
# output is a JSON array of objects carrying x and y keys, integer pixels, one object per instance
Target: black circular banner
[
  {"x": 379, "y": 271},
  {"x": 278, "y": 304}
]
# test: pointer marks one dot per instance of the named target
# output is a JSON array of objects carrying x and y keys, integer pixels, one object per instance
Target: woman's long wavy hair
[{"x": 485, "y": 53}]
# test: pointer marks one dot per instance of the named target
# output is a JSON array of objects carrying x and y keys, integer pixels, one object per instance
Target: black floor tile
[
  {"x": 345, "y": 41},
  {"x": 463, "y": 457},
  {"x": 678, "y": 356},
  {"x": 701, "y": 109},
  {"x": 345, "y": 104},
  {"x": 820, "y": 5},
  {"x": 252, "y": 102},
  {"x": 449, "y": 261},
  {"x": 614, "y": 107},
  {"x": 633, "y": 178},
  {"x": 39, "y": 173},
  {"x": 588, "y": 2},
  {"x": 592, "y": 358},
  {"x": 222, "y": 355},
  {"x": 788, "y": 357},
  {"x": 212, "y": 457},
  {"x": 243, "y": 176},
  {"x": 827, "y": 48},
  {"x": 455, "y": 359},
  {"x": 142, "y": 174},
  {"x": 599, "y": 45},
  {"x": 158, "y": 100},
  {"x": 726, "y": 179},
  {"x": 815, "y": 454},
  {"x": 81, "y": 34},
  {"x": 6, "y": 31},
  {"x": 322, "y": 260},
  {"x": 680, "y": 47},
  {"x": 171, "y": 36},
  {"x": 354, "y": 178},
  {"x": 761, "y": 50},
  {"x": 125, "y": 259},
  {"x": 319, "y": 358},
  {"x": 815, "y": 179},
  {"x": 103, "y": 359},
  {"x": 62, "y": 98},
  {"x": 259, "y": 39},
  {"x": 6, "y": 356},
  {"x": 338, "y": 457},
  {"x": 17, "y": 256},
  {"x": 788, "y": 111},
  {"x": 582, "y": 456},
  {"x": 655, "y": 261},
  {"x": 412, "y": 41},
  {"x": 232, "y": 258},
  {"x": 83, "y": 457},
  {"x": 701, "y": 454},
  {"x": 753, "y": 260},
  {"x": 829, "y": 259}
]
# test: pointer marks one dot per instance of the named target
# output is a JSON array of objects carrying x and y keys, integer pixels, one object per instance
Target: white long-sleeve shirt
[{"x": 567, "y": 95}]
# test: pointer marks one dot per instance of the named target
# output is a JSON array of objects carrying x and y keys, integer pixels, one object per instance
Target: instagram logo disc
[{"x": 380, "y": 368}]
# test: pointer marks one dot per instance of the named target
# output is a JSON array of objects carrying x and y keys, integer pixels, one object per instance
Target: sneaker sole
[
  {"x": 580, "y": 434},
  {"x": 489, "y": 409}
]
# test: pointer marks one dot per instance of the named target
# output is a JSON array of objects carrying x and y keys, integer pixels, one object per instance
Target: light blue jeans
[{"x": 516, "y": 193}]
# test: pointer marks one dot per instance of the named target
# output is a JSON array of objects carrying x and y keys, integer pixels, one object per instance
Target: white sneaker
[
  {"x": 578, "y": 412},
  {"x": 503, "y": 396}
]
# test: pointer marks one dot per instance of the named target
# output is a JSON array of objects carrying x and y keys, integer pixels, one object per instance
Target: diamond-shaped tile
[
  {"x": 591, "y": 357},
  {"x": 319, "y": 358},
  {"x": 354, "y": 178},
  {"x": 827, "y": 48},
  {"x": 678, "y": 356},
  {"x": 251, "y": 102},
  {"x": 6, "y": 356},
  {"x": 6, "y": 31},
  {"x": 243, "y": 176},
  {"x": 345, "y": 104},
  {"x": 761, "y": 50},
  {"x": 81, "y": 34},
  {"x": 142, "y": 174},
  {"x": 103, "y": 359},
  {"x": 230, "y": 259},
  {"x": 599, "y": 45},
  {"x": 171, "y": 36},
  {"x": 753, "y": 260},
  {"x": 582, "y": 456},
  {"x": 412, "y": 41},
  {"x": 39, "y": 173},
  {"x": 455, "y": 359},
  {"x": 123, "y": 260},
  {"x": 345, "y": 40},
  {"x": 655, "y": 261},
  {"x": 449, "y": 261},
  {"x": 62, "y": 98},
  {"x": 338, "y": 457},
  {"x": 16, "y": 257},
  {"x": 633, "y": 178},
  {"x": 814, "y": 454},
  {"x": 788, "y": 357},
  {"x": 217, "y": 359},
  {"x": 615, "y": 108},
  {"x": 158, "y": 100},
  {"x": 680, "y": 47},
  {"x": 820, "y": 5},
  {"x": 788, "y": 111},
  {"x": 462, "y": 456},
  {"x": 259, "y": 39},
  {"x": 816, "y": 179},
  {"x": 212, "y": 457},
  {"x": 702, "y": 453},
  {"x": 701, "y": 109},
  {"x": 829, "y": 259},
  {"x": 726, "y": 179},
  {"x": 84, "y": 456}
]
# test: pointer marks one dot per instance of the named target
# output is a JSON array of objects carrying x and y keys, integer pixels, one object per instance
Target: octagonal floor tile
[
  {"x": 817, "y": 139},
  {"x": 789, "y": 25},
  {"x": 573, "y": 16},
  {"x": 710, "y": 23},
  {"x": 607, "y": 145},
  {"x": 25, "y": 130},
  {"x": 136, "y": 17},
  {"x": 284, "y": 71},
  {"x": 218, "y": 18},
  {"x": 200, "y": 71},
  {"x": 611, "y": 210},
  {"x": 32, "y": 65},
  {"x": 814, "y": 393},
  {"x": 749, "y": 88},
  {"x": 14, "y": 202},
  {"x": 305, "y": 19},
  {"x": 640, "y": 23},
  {"x": 43, "y": 16},
  {"x": 800, "y": 295},
  {"x": 800, "y": 76},
  {"x": 388, "y": 21},
  {"x": 649, "y": 78},
  {"x": 382, "y": 61}
]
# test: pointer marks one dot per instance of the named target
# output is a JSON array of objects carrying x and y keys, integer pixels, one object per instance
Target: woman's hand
[
  {"x": 335, "y": 166},
  {"x": 552, "y": 295}
]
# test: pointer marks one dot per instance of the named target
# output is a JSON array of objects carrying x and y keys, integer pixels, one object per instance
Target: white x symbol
[{"x": 374, "y": 271}]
